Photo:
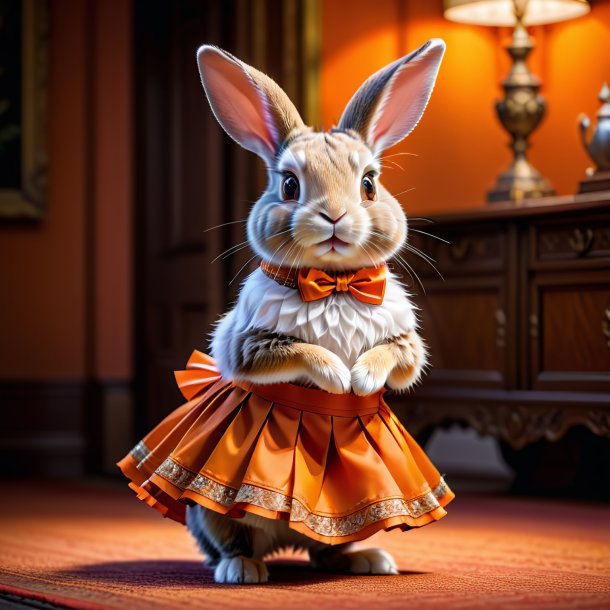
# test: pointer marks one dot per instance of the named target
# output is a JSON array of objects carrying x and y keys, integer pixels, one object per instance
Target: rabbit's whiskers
[
  {"x": 414, "y": 250},
  {"x": 282, "y": 243},
  {"x": 291, "y": 247},
  {"x": 400, "y": 154},
  {"x": 404, "y": 264},
  {"x": 396, "y": 195},
  {"x": 364, "y": 249},
  {"x": 297, "y": 259},
  {"x": 424, "y": 257},
  {"x": 419, "y": 253},
  {"x": 232, "y": 250},
  {"x": 401, "y": 263},
  {"x": 242, "y": 246},
  {"x": 430, "y": 235},
  {"x": 410, "y": 269},
  {"x": 243, "y": 267},
  {"x": 396, "y": 166},
  {"x": 224, "y": 224}
]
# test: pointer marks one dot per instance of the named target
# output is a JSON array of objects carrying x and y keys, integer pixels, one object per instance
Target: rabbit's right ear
[{"x": 250, "y": 106}]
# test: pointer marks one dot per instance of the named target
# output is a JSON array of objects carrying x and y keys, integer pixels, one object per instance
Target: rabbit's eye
[
  {"x": 290, "y": 187},
  {"x": 368, "y": 189}
]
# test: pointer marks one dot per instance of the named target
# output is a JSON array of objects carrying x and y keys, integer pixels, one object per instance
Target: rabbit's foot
[
  {"x": 370, "y": 371},
  {"x": 410, "y": 363},
  {"x": 327, "y": 370},
  {"x": 371, "y": 561},
  {"x": 241, "y": 570}
]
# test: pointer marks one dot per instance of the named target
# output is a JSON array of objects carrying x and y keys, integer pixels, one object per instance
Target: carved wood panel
[
  {"x": 581, "y": 243},
  {"x": 465, "y": 323},
  {"x": 480, "y": 249},
  {"x": 569, "y": 335},
  {"x": 516, "y": 419}
]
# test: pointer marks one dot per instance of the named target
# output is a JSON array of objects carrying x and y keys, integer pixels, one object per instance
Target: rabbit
[{"x": 324, "y": 207}]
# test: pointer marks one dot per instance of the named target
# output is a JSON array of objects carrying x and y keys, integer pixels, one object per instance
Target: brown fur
[
  {"x": 411, "y": 357},
  {"x": 260, "y": 354},
  {"x": 397, "y": 362}
]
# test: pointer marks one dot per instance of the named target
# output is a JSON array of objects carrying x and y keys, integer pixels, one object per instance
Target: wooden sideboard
[{"x": 519, "y": 326}]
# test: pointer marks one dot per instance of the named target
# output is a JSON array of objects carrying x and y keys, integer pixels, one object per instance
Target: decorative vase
[{"x": 598, "y": 146}]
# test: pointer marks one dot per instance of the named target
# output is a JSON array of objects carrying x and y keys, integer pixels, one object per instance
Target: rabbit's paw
[
  {"x": 371, "y": 561},
  {"x": 413, "y": 358},
  {"x": 370, "y": 371},
  {"x": 241, "y": 570},
  {"x": 328, "y": 372}
]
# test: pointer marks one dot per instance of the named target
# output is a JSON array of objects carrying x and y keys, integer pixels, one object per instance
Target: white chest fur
[{"x": 340, "y": 323}]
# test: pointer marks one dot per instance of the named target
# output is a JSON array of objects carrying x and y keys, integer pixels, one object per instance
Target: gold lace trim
[{"x": 346, "y": 525}]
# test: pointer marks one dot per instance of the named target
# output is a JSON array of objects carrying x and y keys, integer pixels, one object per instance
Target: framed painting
[{"x": 23, "y": 76}]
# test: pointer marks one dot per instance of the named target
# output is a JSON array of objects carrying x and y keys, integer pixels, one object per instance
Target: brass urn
[{"x": 598, "y": 146}]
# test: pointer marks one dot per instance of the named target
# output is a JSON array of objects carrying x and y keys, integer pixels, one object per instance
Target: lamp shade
[{"x": 501, "y": 12}]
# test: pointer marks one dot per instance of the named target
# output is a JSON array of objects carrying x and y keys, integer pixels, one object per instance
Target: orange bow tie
[{"x": 366, "y": 285}]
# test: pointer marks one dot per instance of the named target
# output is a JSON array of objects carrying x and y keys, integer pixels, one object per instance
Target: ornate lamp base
[
  {"x": 520, "y": 112},
  {"x": 521, "y": 180}
]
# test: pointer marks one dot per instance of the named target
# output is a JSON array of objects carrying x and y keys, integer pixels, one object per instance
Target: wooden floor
[{"x": 93, "y": 546}]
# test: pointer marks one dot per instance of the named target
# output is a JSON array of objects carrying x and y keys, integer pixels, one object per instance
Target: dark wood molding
[
  {"x": 516, "y": 417},
  {"x": 43, "y": 428},
  {"x": 528, "y": 209},
  {"x": 54, "y": 428}
]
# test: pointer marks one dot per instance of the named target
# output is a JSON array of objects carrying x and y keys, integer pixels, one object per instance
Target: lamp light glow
[{"x": 502, "y": 12}]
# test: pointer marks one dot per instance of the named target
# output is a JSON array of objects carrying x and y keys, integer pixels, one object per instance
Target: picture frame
[{"x": 24, "y": 27}]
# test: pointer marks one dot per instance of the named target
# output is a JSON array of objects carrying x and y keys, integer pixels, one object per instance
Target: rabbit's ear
[
  {"x": 390, "y": 103},
  {"x": 250, "y": 106}
]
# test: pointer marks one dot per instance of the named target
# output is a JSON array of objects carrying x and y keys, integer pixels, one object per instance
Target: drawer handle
[
  {"x": 534, "y": 326},
  {"x": 581, "y": 241},
  {"x": 606, "y": 325},
  {"x": 500, "y": 328},
  {"x": 459, "y": 249}
]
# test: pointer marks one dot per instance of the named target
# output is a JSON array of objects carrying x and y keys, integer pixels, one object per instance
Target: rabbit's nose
[{"x": 333, "y": 221}]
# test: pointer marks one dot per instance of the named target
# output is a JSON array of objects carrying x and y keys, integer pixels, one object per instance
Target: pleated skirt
[{"x": 337, "y": 468}]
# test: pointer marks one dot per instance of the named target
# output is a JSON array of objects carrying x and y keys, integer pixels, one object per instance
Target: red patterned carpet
[{"x": 93, "y": 546}]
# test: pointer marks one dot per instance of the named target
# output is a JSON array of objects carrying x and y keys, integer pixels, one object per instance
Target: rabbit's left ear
[{"x": 389, "y": 104}]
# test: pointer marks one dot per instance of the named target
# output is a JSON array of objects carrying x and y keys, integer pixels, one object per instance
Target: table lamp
[{"x": 522, "y": 108}]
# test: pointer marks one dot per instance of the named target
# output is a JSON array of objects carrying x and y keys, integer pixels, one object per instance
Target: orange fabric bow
[
  {"x": 200, "y": 373},
  {"x": 366, "y": 285}
]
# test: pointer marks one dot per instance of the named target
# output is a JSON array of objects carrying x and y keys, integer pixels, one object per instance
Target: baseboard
[
  {"x": 118, "y": 424},
  {"x": 42, "y": 432},
  {"x": 63, "y": 428}
]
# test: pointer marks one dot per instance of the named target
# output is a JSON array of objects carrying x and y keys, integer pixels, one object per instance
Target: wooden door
[{"x": 191, "y": 177}]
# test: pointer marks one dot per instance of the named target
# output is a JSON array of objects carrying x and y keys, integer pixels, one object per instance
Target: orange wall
[
  {"x": 577, "y": 62},
  {"x": 42, "y": 325},
  {"x": 460, "y": 145},
  {"x": 45, "y": 316},
  {"x": 113, "y": 189}
]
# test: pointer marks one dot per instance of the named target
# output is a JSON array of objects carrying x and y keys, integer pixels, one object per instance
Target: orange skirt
[{"x": 337, "y": 468}]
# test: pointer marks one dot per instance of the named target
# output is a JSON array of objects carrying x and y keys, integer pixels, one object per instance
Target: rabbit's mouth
[{"x": 332, "y": 244}]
